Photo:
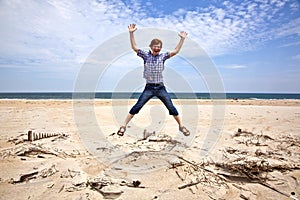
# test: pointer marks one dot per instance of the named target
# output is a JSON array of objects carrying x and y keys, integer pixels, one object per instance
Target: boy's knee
[{"x": 173, "y": 112}]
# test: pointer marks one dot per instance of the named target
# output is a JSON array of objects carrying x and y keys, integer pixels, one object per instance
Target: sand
[{"x": 245, "y": 149}]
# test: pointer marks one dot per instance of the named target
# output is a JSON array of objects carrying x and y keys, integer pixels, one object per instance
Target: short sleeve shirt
[{"x": 153, "y": 65}]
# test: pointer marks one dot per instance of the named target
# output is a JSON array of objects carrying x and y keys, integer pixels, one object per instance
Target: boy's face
[{"x": 156, "y": 48}]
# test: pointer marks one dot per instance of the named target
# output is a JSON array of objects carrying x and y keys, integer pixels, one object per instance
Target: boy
[{"x": 153, "y": 68}]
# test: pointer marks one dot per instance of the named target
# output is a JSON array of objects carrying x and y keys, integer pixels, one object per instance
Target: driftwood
[
  {"x": 110, "y": 188},
  {"x": 274, "y": 189},
  {"x": 36, "y": 174},
  {"x": 189, "y": 185},
  {"x": 225, "y": 178},
  {"x": 76, "y": 187},
  {"x": 201, "y": 174},
  {"x": 31, "y": 149},
  {"x": 167, "y": 139},
  {"x": 26, "y": 150},
  {"x": 249, "y": 138},
  {"x": 253, "y": 169},
  {"x": 250, "y": 165},
  {"x": 69, "y": 173},
  {"x": 26, "y": 177},
  {"x": 197, "y": 166}
]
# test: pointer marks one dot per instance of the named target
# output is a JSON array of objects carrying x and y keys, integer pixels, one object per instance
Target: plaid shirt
[{"x": 153, "y": 65}]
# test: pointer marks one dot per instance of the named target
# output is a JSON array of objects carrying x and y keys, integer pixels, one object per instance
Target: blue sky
[{"x": 254, "y": 44}]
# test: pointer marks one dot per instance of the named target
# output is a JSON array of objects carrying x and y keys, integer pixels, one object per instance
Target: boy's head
[{"x": 156, "y": 45}]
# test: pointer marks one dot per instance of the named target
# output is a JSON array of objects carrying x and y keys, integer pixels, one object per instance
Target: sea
[{"x": 135, "y": 95}]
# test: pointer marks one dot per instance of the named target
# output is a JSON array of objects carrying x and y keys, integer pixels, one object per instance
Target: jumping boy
[{"x": 153, "y": 68}]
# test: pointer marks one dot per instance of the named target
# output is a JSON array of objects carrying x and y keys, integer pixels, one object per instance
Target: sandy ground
[{"x": 245, "y": 149}]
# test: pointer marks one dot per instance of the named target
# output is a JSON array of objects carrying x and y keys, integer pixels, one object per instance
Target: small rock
[
  {"x": 136, "y": 183},
  {"x": 111, "y": 192}
]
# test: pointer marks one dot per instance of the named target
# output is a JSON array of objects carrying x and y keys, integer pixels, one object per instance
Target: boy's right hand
[{"x": 132, "y": 28}]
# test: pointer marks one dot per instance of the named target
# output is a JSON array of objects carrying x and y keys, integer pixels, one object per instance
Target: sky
[{"x": 254, "y": 45}]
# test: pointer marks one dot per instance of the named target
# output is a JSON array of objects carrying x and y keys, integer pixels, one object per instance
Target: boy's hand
[
  {"x": 132, "y": 28},
  {"x": 182, "y": 34}
]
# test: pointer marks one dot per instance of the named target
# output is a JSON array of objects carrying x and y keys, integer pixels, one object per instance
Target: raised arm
[
  {"x": 131, "y": 29},
  {"x": 182, "y": 36}
]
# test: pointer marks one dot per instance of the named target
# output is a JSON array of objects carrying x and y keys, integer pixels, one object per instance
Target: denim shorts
[{"x": 151, "y": 90}]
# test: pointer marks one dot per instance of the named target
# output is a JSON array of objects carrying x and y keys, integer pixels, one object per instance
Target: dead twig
[
  {"x": 189, "y": 185},
  {"x": 274, "y": 189}
]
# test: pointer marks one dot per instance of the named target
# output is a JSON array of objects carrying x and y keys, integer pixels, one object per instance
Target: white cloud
[
  {"x": 235, "y": 67},
  {"x": 291, "y": 28}
]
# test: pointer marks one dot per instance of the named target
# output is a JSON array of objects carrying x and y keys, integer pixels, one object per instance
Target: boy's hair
[{"x": 156, "y": 41}]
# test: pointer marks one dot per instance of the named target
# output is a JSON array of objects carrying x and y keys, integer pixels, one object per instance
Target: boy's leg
[
  {"x": 122, "y": 128},
  {"x": 178, "y": 120},
  {"x": 127, "y": 119},
  {"x": 143, "y": 99},
  {"x": 163, "y": 95}
]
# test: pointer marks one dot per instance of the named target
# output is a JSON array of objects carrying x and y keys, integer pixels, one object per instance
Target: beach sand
[{"x": 238, "y": 149}]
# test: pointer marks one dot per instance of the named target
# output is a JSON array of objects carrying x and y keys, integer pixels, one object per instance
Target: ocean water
[{"x": 125, "y": 95}]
